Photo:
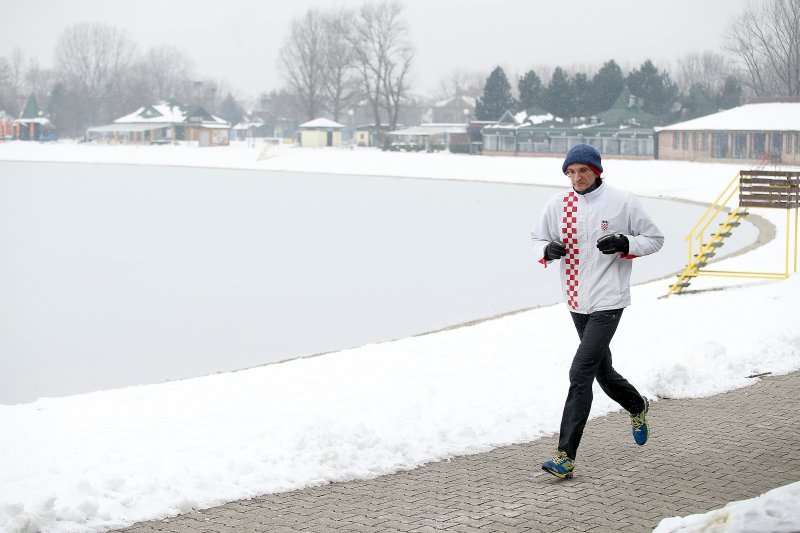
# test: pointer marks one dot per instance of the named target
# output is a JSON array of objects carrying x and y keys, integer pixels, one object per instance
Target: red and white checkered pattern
[{"x": 569, "y": 232}]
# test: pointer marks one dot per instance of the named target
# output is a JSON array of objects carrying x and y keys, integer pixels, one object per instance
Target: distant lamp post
[
  {"x": 198, "y": 89},
  {"x": 467, "y": 135},
  {"x": 350, "y": 114}
]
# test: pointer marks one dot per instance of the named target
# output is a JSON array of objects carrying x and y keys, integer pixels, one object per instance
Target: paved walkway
[{"x": 702, "y": 454}]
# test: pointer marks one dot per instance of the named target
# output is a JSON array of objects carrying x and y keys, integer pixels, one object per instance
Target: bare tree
[
  {"x": 460, "y": 83},
  {"x": 7, "y": 100},
  {"x": 18, "y": 71},
  {"x": 766, "y": 39},
  {"x": 38, "y": 81},
  {"x": 707, "y": 69},
  {"x": 278, "y": 106},
  {"x": 19, "y": 78},
  {"x": 301, "y": 59},
  {"x": 395, "y": 82},
  {"x": 384, "y": 54},
  {"x": 93, "y": 61},
  {"x": 206, "y": 93},
  {"x": 137, "y": 90},
  {"x": 12, "y": 97},
  {"x": 167, "y": 68},
  {"x": 341, "y": 85}
]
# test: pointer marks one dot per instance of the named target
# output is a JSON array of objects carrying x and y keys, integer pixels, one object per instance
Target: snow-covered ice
[{"x": 106, "y": 459}]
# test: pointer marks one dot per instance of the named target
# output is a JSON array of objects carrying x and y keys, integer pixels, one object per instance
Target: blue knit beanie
[{"x": 586, "y": 154}]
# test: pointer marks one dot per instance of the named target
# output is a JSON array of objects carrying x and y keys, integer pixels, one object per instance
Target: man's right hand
[{"x": 555, "y": 250}]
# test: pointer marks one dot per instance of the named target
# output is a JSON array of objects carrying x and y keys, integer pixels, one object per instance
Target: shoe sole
[{"x": 559, "y": 476}]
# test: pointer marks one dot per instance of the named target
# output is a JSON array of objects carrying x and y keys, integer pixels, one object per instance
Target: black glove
[
  {"x": 555, "y": 250},
  {"x": 613, "y": 244}
]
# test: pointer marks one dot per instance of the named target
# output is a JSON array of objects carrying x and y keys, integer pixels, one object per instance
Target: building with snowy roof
[
  {"x": 455, "y": 110},
  {"x": 545, "y": 135},
  {"x": 7, "y": 130},
  {"x": 250, "y": 127},
  {"x": 429, "y": 137},
  {"x": 766, "y": 132},
  {"x": 32, "y": 125},
  {"x": 165, "y": 122},
  {"x": 320, "y": 132},
  {"x": 623, "y": 130}
]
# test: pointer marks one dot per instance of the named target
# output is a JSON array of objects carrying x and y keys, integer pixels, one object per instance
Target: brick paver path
[{"x": 702, "y": 454}]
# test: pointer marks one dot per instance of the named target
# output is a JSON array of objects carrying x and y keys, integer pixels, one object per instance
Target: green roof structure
[
  {"x": 31, "y": 108},
  {"x": 624, "y": 112}
]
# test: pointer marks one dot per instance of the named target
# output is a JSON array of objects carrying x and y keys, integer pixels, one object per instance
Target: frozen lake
[{"x": 115, "y": 275}]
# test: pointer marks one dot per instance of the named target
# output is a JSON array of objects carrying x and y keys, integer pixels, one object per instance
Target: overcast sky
[{"x": 238, "y": 41}]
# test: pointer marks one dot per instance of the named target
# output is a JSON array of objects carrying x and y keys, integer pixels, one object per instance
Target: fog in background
[{"x": 238, "y": 42}]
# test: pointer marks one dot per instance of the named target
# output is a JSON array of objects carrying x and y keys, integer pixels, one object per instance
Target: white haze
[{"x": 240, "y": 45}]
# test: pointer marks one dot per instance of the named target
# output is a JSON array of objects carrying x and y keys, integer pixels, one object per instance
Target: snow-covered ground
[
  {"x": 107, "y": 459},
  {"x": 776, "y": 511}
]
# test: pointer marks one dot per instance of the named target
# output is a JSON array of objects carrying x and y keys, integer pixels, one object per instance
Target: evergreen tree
[
  {"x": 731, "y": 94},
  {"x": 56, "y": 107},
  {"x": 582, "y": 91},
  {"x": 230, "y": 110},
  {"x": 656, "y": 88},
  {"x": 559, "y": 96},
  {"x": 607, "y": 85},
  {"x": 496, "y": 98},
  {"x": 62, "y": 111},
  {"x": 699, "y": 102},
  {"x": 530, "y": 91}
]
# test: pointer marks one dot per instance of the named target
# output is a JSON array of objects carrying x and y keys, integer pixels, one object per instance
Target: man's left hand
[{"x": 613, "y": 244}]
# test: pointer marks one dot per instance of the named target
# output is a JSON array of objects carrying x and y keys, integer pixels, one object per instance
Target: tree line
[
  {"x": 335, "y": 59},
  {"x": 99, "y": 74},
  {"x": 577, "y": 95}
]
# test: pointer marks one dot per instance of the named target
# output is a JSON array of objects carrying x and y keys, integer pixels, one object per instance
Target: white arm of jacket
[
  {"x": 547, "y": 228},
  {"x": 645, "y": 237}
]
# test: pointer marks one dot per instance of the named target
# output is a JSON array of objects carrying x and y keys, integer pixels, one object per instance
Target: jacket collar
[{"x": 593, "y": 187}]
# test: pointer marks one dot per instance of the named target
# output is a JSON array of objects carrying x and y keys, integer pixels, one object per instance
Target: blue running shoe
[
  {"x": 560, "y": 466},
  {"x": 641, "y": 430}
]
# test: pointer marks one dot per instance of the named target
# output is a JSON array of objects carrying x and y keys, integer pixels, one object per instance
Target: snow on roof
[
  {"x": 37, "y": 120},
  {"x": 126, "y": 128},
  {"x": 772, "y": 116},
  {"x": 522, "y": 117},
  {"x": 321, "y": 123},
  {"x": 539, "y": 119},
  {"x": 162, "y": 113},
  {"x": 159, "y": 113},
  {"x": 431, "y": 129},
  {"x": 246, "y": 124},
  {"x": 468, "y": 100},
  {"x": 521, "y": 120}
]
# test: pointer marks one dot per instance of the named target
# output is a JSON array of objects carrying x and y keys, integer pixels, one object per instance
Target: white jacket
[{"x": 593, "y": 281}]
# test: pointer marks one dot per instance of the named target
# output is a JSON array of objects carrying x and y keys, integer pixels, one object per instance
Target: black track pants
[{"x": 593, "y": 360}]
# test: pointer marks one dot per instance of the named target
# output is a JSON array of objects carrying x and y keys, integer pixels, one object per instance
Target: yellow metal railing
[
  {"x": 706, "y": 249},
  {"x": 699, "y": 229}
]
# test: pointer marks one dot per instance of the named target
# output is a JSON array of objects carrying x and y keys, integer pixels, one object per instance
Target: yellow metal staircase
[
  {"x": 757, "y": 189},
  {"x": 707, "y": 251}
]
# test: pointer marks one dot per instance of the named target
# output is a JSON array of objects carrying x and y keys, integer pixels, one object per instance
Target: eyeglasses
[{"x": 582, "y": 171}]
